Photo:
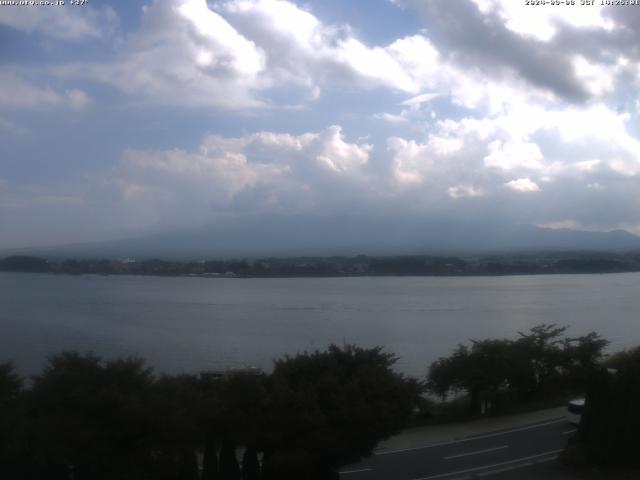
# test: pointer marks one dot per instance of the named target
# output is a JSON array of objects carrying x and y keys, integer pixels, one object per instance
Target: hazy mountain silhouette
[{"x": 347, "y": 235}]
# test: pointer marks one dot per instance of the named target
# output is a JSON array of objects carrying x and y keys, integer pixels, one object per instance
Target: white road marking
[
  {"x": 569, "y": 432},
  {"x": 469, "y": 439},
  {"x": 362, "y": 470},
  {"x": 484, "y": 467},
  {"x": 477, "y": 452}
]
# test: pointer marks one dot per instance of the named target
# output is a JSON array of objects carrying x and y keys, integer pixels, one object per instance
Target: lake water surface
[{"x": 182, "y": 324}]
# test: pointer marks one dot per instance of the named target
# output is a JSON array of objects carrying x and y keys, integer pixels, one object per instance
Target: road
[{"x": 481, "y": 456}]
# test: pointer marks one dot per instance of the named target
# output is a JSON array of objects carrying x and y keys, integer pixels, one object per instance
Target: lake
[{"x": 182, "y": 324}]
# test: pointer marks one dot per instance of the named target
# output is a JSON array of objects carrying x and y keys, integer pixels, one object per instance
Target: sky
[{"x": 120, "y": 118}]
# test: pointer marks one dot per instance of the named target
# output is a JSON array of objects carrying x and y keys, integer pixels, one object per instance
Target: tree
[
  {"x": 624, "y": 360},
  {"x": 250, "y": 464},
  {"x": 24, "y": 263},
  {"x": 89, "y": 417},
  {"x": 611, "y": 421},
  {"x": 556, "y": 364},
  {"x": 481, "y": 371},
  {"x": 540, "y": 362},
  {"x": 175, "y": 404},
  {"x": 209, "y": 458},
  {"x": 10, "y": 384},
  {"x": 231, "y": 410},
  {"x": 583, "y": 355},
  {"x": 242, "y": 401},
  {"x": 446, "y": 375},
  {"x": 10, "y": 417},
  {"x": 229, "y": 466},
  {"x": 328, "y": 409},
  {"x": 543, "y": 352}
]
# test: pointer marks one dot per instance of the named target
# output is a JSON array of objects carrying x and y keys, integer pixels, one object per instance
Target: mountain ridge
[{"x": 343, "y": 235}]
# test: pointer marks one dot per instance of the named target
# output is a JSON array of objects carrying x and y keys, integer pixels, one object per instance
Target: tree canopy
[
  {"x": 611, "y": 421},
  {"x": 539, "y": 362},
  {"x": 338, "y": 404},
  {"x": 84, "y": 417}
]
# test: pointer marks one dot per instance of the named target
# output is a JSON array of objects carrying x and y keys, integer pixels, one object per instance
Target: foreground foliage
[
  {"x": 498, "y": 373},
  {"x": 610, "y": 424},
  {"x": 86, "y": 418}
]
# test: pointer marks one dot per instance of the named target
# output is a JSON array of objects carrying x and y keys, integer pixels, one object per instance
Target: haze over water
[{"x": 190, "y": 324}]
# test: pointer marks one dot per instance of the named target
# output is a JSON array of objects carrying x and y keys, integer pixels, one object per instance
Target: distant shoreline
[
  {"x": 340, "y": 267},
  {"x": 249, "y": 277}
]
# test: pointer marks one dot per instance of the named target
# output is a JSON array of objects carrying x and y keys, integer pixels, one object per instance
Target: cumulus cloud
[
  {"x": 566, "y": 52},
  {"x": 324, "y": 173},
  {"x": 494, "y": 108},
  {"x": 303, "y": 50},
  {"x": 511, "y": 155},
  {"x": 523, "y": 185},
  {"x": 543, "y": 23},
  {"x": 185, "y": 54},
  {"x": 261, "y": 172},
  {"x": 474, "y": 159},
  {"x": 231, "y": 54},
  {"x": 552, "y": 143}
]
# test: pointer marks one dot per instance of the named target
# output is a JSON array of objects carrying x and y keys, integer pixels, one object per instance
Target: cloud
[
  {"x": 569, "y": 53},
  {"x": 65, "y": 23},
  {"x": 464, "y": 191},
  {"x": 323, "y": 173},
  {"x": 19, "y": 93},
  {"x": 265, "y": 171},
  {"x": 420, "y": 99},
  {"x": 233, "y": 54},
  {"x": 544, "y": 23},
  {"x": 391, "y": 118},
  {"x": 598, "y": 80},
  {"x": 300, "y": 49},
  {"x": 563, "y": 224},
  {"x": 526, "y": 155},
  {"x": 523, "y": 185},
  {"x": 493, "y": 109},
  {"x": 184, "y": 54},
  {"x": 551, "y": 142},
  {"x": 482, "y": 54}
]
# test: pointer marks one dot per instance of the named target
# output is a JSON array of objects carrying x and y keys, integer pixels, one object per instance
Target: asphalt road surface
[{"x": 482, "y": 456}]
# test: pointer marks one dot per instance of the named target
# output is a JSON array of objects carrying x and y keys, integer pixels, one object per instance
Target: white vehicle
[{"x": 574, "y": 410}]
